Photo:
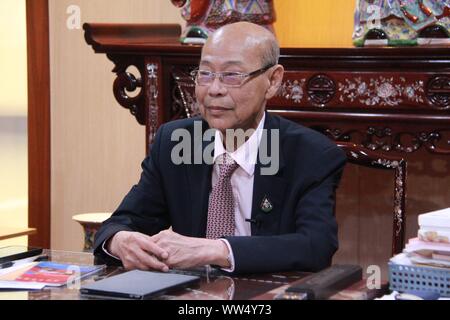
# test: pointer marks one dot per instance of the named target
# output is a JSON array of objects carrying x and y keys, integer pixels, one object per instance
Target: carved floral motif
[
  {"x": 292, "y": 90},
  {"x": 383, "y": 91}
]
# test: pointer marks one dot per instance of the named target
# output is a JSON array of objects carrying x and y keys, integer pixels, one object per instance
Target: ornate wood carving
[
  {"x": 152, "y": 68},
  {"x": 384, "y": 138},
  {"x": 438, "y": 91},
  {"x": 183, "y": 94},
  {"x": 389, "y": 100},
  {"x": 126, "y": 83},
  {"x": 381, "y": 91},
  {"x": 388, "y": 139},
  {"x": 399, "y": 204},
  {"x": 321, "y": 89},
  {"x": 364, "y": 90}
]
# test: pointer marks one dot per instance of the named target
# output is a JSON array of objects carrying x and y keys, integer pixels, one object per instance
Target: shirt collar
[{"x": 246, "y": 155}]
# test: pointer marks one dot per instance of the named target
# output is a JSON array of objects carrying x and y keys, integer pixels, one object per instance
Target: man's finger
[
  {"x": 131, "y": 262},
  {"x": 156, "y": 237},
  {"x": 151, "y": 261},
  {"x": 149, "y": 245},
  {"x": 162, "y": 234}
]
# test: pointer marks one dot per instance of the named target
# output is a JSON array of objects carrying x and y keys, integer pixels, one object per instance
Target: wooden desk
[
  {"x": 214, "y": 285},
  {"x": 7, "y": 233}
]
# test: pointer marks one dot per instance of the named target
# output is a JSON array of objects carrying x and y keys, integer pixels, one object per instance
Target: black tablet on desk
[{"x": 138, "y": 285}]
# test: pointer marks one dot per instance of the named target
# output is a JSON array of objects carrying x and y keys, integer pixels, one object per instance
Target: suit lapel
[{"x": 268, "y": 190}]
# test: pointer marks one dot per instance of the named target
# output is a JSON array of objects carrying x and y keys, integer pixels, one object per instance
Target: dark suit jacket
[{"x": 299, "y": 233}]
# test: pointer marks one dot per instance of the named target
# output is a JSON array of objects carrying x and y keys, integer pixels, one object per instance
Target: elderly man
[{"x": 229, "y": 213}]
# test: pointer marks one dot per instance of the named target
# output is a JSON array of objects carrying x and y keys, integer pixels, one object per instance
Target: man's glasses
[{"x": 228, "y": 78}]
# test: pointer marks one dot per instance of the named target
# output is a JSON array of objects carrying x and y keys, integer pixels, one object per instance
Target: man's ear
[{"x": 275, "y": 81}]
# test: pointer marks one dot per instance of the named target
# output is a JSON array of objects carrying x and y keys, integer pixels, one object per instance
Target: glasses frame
[{"x": 244, "y": 76}]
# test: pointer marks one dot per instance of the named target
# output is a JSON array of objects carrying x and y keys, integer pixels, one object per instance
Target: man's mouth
[{"x": 217, "y": 109}]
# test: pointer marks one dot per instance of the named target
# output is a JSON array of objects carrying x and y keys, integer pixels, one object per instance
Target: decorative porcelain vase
[
  {"x": 204, "y": 16},
  {"x": 90, "y": 222},
  {"x": 402, "y": 23}
]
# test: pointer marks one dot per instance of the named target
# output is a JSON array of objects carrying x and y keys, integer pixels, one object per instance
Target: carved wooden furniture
[
  {"x": 389, "y": 99},
  {"x": 394, "y": 100},
  {"x": 361, "y": 156}
]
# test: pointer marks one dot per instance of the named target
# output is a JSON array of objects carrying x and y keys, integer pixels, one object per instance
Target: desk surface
[
  {"x": 7, "y": 233},
  {"x": 214, "y": 284}
]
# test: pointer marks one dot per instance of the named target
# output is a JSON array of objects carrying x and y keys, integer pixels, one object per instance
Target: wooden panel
[
  {"x": 97, "y": 147},
  {"x": 375, "y": 196},
  {"x": 38, "y": 122},
  {"x": 347, "y": 215},
  {"x": 364, "y": 206}
]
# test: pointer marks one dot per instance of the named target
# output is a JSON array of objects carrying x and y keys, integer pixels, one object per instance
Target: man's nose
[{"x": 217, "y": 87}]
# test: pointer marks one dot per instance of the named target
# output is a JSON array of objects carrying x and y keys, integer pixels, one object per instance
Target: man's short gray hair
[{"x": 271, "y": 52}]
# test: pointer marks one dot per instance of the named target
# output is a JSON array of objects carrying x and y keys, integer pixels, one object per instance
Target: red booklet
[{"x": 57, "y": 274}]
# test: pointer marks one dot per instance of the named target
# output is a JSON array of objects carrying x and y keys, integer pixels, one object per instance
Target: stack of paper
[
  {"x": 432, "y": 246},
  {"x": 435, "y": 226},
  {"x": 428, "y": 258},
  {"x": 428, "y": 253}
]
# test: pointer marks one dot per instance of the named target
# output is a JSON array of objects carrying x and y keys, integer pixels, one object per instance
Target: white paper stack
[
  {"x": 424, "y": 264},
  {"x": 435, "y": 226},
  {"x": 432, "y": 246}
]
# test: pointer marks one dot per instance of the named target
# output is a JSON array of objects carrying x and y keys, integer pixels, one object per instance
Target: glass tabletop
[{"x": 214, "y": 284}]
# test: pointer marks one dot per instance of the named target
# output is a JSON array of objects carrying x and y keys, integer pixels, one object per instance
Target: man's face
[{"x": 228, "y": 107}]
